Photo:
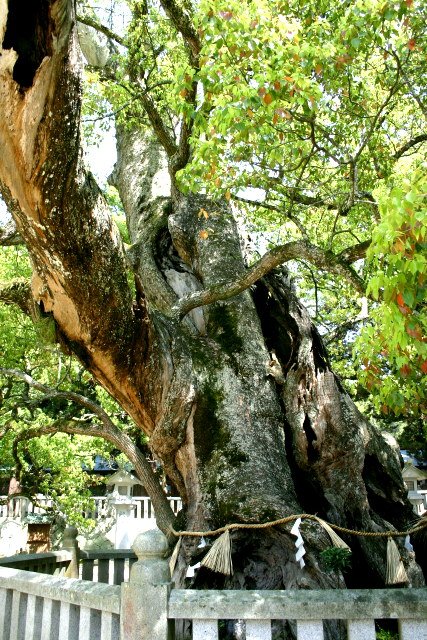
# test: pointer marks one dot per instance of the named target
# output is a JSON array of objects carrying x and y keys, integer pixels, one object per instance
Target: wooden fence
[{"x": 40, "y": 607}]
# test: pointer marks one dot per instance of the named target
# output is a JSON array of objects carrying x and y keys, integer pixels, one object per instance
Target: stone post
[
  {"x": 69, "y": 543},
  {"x": 144, "y": 602}
]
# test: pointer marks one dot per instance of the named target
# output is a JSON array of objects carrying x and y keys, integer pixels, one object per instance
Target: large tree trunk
[{"x": 240, "y": 444}]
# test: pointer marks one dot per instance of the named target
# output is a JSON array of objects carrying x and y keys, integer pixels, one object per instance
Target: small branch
[
  {"x": 408, "y": 83},
  {"x": 53, "y": 393},
  {"x": 108, "y": 431},
  {"x": 410, "y": 144},
  {"x": 183, "y": 24},
  {"x": 339, "y": 332},
  {"x": 300, "y": 250},
  {"x": 377, "y": 119},
  {"x": 271, "y": 207},
  {"x": 111, "y": 114},
  {"x": 356, "y": 252},
  {"x": 90, "y": 22}
]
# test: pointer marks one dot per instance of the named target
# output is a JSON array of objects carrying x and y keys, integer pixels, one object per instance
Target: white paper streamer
[
  {"x": 299, "y": 543},
  {"x": 202, "y": 543},
  {"x": 192, "y": 570},
  {"x": 408, "y": 544}
]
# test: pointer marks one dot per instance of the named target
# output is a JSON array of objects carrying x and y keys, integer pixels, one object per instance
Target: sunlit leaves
[
  {"x": 282, "y": 86},
  {"x": 393, "y": 351},
  {"x": 52, "y": 464}
]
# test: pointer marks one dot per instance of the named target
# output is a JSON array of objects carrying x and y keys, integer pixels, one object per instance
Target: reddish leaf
[
  {"x": 405, "y": 370},
  {"x": 415, "y": 332}
]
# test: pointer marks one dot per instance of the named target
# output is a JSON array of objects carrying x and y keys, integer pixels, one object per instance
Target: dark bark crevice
[
  {"x": 341, "y": 467},
  {"x": 29, "y": 32}
]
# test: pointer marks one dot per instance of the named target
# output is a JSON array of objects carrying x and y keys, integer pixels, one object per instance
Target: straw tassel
[
  {"x": 395, "y": 573},
  {"x": 174, "y": 556},
  {"x": 218, "y": 557},
  {"x": 335, "y": 538}
]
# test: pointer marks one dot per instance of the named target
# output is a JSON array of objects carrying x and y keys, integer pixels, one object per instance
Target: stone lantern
[{"x": 120, "y": 486}]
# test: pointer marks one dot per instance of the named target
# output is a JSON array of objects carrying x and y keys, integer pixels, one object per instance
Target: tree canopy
[{"x": 311, "y": 120}]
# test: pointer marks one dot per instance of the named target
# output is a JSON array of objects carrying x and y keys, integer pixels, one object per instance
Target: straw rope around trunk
[
  {"x": 219, "y": 556},
  {"x": 422, "y": 524}
]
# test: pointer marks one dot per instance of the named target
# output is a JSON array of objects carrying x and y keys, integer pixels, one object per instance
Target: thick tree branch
[
  {"x": 107, "y": 430},
  {"x": 183, "y": 24},
  {"x": 165, "y": 517},
  {"x": 291, "y": 251},
  {"x": 409, "y": 145},
  {"x": 90, "y": 22},
  {"x": 156, "y": 121},
  {"x": 355, "y": 252}
]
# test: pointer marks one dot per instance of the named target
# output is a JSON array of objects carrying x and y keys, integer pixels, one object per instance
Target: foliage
[
  {"x": 55, "y": 465},
  {"x": 392, "y": 349},
  {"x": 306, "y": 109},
  {"x": 335, "y": 559},
  {"x": 383, "y": 634}
]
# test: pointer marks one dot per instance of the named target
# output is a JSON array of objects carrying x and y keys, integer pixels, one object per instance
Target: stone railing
[
  {"x": 52, "y": 563},
  {"x": 21, "y": 507},
  {"x": 146, "y": 608},
  {"x": 111, "y": 567},
  {"x": 39, "y": 607},
  {"x": 143, "y": 507}
]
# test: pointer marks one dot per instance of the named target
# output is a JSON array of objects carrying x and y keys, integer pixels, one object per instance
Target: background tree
[
  {"x": 210, "y": 352},
  {"x": 63, "y": 400}
]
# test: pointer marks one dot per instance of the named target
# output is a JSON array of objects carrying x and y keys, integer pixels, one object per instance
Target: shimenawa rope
[{"x": 218, "y": 557}]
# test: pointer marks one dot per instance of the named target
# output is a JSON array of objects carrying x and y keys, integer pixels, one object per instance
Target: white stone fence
[
  {"x": 39, "y": 607},
  {"x": 21, "y": 507}
]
